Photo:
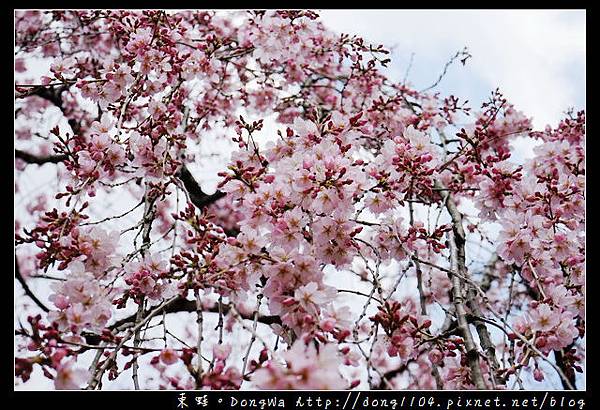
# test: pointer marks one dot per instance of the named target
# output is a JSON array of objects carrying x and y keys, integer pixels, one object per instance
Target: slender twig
[
  {"x": 97, "y": 374},
  {"x": 253, "y": 339},
  {"x": 199, "y": 322},
  {"x": 26, "y": 288}
]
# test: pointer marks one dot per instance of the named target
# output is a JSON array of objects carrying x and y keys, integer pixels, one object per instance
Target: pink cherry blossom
[
  {"x": 205, "y": 177},
  {"x": 544, "y": 318},
  {"x": 69, "y": 378}
]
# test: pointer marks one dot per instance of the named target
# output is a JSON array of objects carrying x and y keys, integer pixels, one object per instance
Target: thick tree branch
[
  {"x": 179, "y": 304},
  {"x": 50, "y": 93},
  {"x": 484, "y": 335},
  {"x": 184, "y": 305},
  {"x": 458, "y": 240},
  {"x": 197, "y": 196},
  {"x": 33, "y": 159},
  {"x": 54, "y": 95},
  {"x": 570, "y": 382}
]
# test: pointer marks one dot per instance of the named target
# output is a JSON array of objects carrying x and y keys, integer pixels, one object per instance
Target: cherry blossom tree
[{"x": 363, "y": 234}]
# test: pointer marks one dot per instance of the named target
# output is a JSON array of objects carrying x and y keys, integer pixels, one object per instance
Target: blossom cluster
[
  {"x": 305, "y": 368},
  {"x": 362, "y": 187}
]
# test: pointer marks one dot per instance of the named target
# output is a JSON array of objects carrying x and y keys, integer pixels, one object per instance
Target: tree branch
[
  {"x": 33, "y": 159},
  {"x": 179, "y": 304},
  {"x": 484, "y": 336},
  {"x": 183, "y": 305},
  {"x": 197, "y": 196},
  {"x": 26, "y": 288},
  {"x": 570, "y": 382},
  {"x": 54, "y": 95},
  {"x": 457, "y": 289},
  {"x": 389, "y": 375},
  {"x": 98, "y": 372}
]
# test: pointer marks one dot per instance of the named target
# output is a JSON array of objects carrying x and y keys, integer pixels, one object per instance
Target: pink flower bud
[
  {"x": 328, "y": 325},
  {"x": 288, "y": 302},
  {"x": 264, "y": 355},
  {"x": 168, "y": 356},
  {"x": 435, "y": 356}
]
